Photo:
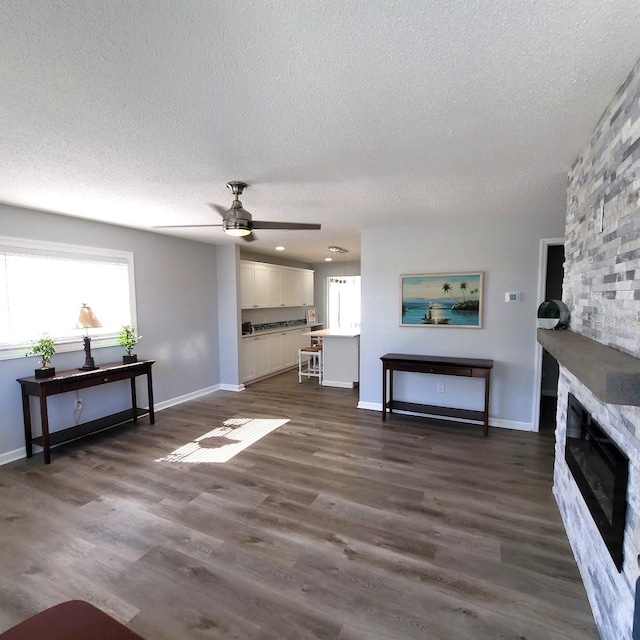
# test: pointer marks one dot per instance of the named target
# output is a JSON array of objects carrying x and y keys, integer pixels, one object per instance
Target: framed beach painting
[{"x": 451, "y": 300}]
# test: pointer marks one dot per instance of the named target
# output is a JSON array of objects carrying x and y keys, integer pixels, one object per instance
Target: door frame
[{"x": 545, "y": 243}]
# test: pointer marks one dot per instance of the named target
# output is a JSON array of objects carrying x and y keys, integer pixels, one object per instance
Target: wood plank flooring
[{"x": 335, "y": 525}]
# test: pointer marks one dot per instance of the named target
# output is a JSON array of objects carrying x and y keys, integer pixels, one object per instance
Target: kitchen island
[{"x": 340, "y": 357}]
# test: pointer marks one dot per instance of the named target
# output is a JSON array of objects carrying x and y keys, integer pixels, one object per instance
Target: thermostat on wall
[{"x": 513, "y": 296}]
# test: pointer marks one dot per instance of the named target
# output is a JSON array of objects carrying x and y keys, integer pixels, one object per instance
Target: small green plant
[
  {"x": 45, "y": 348},
  {"x": 128, "y": 338}
]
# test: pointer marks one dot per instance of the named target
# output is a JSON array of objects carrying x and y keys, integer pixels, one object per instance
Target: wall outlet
[
  {"x": 440, "y": 387},
  {"x": 77, "y": 404}
]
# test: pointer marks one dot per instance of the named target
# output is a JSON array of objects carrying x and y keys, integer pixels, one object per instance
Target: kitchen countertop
[
  {"x": 265, "y": 332},
  {"x": 333, "y": 333}
]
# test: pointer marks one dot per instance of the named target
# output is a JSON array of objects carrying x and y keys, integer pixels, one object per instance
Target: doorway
[
  {"x": 343, "y": 303},
  {"x": 550, "y": 278}
]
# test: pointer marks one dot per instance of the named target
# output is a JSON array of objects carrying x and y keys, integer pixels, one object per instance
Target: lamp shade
[{"x": 87, "y": 319}]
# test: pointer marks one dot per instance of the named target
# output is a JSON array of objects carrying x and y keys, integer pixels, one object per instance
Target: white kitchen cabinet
[
  {"x": 307, "y": 288},
  {"x": 270, "y": 353},
  {"x": 261, "y": 355},
  {"x": 268, "y": 286},
  {"x": 247, "y": 285},
  {"x": 291, "y": 342},
  {"x": 274, "y": 287},
  {"x": 247, "y": 359},
  {"x": 275, "y": 351},
  {"x": 291, "y": 282},
  {"x": 261, "y": 284},
  {"x": 254, "y": 285}
]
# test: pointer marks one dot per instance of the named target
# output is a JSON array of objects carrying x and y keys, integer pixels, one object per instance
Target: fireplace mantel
[{"x": 612, "y": 376}]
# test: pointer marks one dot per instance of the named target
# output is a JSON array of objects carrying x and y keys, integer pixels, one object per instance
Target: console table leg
[
  {"x": 152, "y": 415},
  {"x": 26, "y": 414},
  {"x": 134, "y": 401},
  {"x": 44, "y": 419},
  {"x": 384, "y": 394},
  {"x": 487, "y": 385}
]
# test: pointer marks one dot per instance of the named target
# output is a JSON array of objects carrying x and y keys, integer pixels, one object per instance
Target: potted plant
[
  {"x": 128, "y": 340},
  {"x": 45, "y": 348}
]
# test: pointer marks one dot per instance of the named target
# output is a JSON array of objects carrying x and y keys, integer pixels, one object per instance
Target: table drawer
[
  {"x": 92, "y": 381},
  {"x": 447, "y": 371}
]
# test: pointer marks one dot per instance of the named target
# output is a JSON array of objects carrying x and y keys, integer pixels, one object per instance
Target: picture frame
[
  {"x": 442, "y": 300},
  {"x": 312, "y": 315}
]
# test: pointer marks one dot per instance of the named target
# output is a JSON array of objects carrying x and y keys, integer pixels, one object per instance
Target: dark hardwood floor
[{"x": 335, "y": 525}]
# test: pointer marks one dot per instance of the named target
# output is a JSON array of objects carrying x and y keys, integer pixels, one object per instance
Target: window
[
  {"x": 343, "y": 302},
  {"x": 43, "y": 286}
]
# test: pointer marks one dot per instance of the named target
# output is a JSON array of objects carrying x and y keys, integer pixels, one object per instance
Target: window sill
[{"x": 15, "y": 353}]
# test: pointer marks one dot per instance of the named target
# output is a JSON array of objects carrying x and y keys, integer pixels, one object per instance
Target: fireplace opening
[{"x": 601, "y": 472}]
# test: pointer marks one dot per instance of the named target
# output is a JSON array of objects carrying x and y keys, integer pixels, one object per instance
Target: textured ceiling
[{"x": 356, "y": 115}]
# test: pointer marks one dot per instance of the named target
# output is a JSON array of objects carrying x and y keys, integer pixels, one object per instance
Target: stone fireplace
[{"x": 602, "y": 290}]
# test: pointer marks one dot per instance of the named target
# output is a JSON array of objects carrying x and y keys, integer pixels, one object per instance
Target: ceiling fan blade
[
  {"x": 250, "y": 238},
  {"x": 221, "y": 210},
  {"x": 183, "y": 226},
  {"x": 257, "y": 224}
]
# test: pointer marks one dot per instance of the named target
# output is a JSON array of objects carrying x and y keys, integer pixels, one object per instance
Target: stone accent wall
[{"x": 602, "y": 289}]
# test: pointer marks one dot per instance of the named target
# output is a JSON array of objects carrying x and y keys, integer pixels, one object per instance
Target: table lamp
[{"x": 87, "y": 320}]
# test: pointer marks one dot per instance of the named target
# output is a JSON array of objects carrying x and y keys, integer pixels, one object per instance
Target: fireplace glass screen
[{"x": 601, "y": 472}]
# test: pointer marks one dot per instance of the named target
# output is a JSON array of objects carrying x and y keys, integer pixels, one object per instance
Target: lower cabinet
[
  {"x": 270, "y": 353},
  {"x": 274, "y": 340}
]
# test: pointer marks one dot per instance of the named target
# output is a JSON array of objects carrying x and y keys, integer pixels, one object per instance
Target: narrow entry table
[
  {"x": 73, "y": 380},
  {"x": 467, "y": 367}
]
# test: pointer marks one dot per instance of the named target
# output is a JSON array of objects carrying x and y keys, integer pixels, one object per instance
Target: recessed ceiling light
[
  {"x": 328, "y": 259},
  {"x": 279, "y": 248}
]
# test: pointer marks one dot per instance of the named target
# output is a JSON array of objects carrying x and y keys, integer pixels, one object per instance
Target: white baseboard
[
  {"x": 12, "y": 456},
  {"x": 493, "y": 422},
  {"x": 370, "y": 406},
  {"x": 340, "y": 385},
  {"x": 231, "y": 387},
  {"x": 165, "y": 404},
  {"x": 511, "y": 424}
]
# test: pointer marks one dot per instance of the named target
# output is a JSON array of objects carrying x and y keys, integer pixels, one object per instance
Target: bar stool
[{"x": 310, "y": 363}]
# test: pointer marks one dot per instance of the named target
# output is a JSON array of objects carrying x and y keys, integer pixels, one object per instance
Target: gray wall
[
  {"x": 602, "y": 290},
  {"x": 177, "y": 318},
  {"x": 323, "y": 271},
  {"x": 506, "y": 250}
]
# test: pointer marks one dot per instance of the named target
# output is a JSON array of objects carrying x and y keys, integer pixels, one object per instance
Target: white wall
[
  {"x": 177, "y": 318},
  {"x": 507, "y": 252}
]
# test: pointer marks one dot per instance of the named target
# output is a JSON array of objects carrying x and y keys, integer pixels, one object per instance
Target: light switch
[{"x": 512, "y": 296}]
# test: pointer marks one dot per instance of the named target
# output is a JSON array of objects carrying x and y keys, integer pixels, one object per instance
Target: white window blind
[{"x": 43, "y": 286}]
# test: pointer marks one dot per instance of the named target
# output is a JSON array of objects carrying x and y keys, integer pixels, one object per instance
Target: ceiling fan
[{"x": 237, "y": 221}]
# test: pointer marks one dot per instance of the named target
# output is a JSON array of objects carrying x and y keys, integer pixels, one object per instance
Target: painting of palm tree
[{"x": 452, "y": 300}]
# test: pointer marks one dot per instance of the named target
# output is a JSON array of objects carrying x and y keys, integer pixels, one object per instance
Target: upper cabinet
[{"x": 270, "y": 285}]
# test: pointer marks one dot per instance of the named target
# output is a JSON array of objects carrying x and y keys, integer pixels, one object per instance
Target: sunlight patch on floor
[{"x": 223, "y": 443}]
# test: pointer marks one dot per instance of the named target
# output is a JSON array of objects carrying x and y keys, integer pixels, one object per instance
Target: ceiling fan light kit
[{"x": 237, "y": 228}]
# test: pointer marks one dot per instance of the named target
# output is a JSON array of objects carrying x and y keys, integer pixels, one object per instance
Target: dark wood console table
[
  {"x": 468, "y": 367},
  {"x": 73, "y": 380}
]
